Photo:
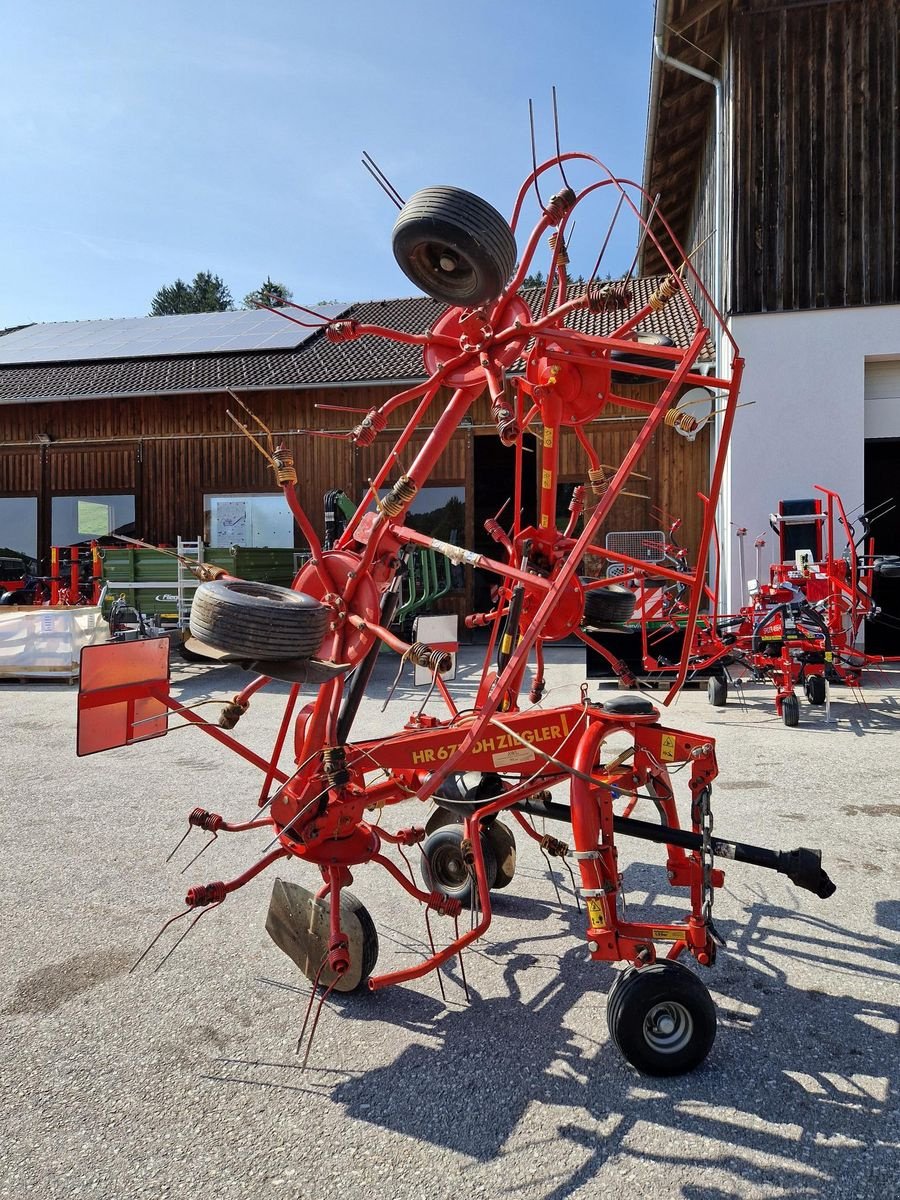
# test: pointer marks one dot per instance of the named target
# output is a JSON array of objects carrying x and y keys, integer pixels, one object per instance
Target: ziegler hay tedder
[{"x": 324, "y": 634}]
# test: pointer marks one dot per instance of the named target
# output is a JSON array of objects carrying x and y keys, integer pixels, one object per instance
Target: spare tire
[
  {"x": 611, "y": 605},
  {"x": 454, "y": 246},
  {"x": 642, "y": 360},
  {"x": 258, "y": 620}
]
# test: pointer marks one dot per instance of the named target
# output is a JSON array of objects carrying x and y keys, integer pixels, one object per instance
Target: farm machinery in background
[
  {"x": 799, "y": 629},
  {"x": 582, "y": 763}
]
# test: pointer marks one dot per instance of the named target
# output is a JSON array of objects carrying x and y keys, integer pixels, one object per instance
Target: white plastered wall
[{"x": 805, "y": 376}]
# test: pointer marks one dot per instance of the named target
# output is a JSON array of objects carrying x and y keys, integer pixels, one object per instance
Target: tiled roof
[{"x": 317, "y": 363}]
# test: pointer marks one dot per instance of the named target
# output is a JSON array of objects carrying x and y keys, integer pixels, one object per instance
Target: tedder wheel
[
  {"x": 299, "y": 923},
  {"x": 454, "y": 246},
  {"x": 662, "y": 1018},
  {"x": 503, "y": 844},
  {"x": 790, "y": 711},
  {"x": 258, "y": 620},
  {"x": 642, "y": 360},
  {"x": 815, "y": 689},
  {"x": 717, "y": 690},
  {"x": 444, "y": 868},
  {"x": 609, "y": 605}
]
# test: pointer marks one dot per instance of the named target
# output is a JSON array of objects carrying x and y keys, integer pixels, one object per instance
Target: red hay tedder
[{"x": 323, "y": 636}]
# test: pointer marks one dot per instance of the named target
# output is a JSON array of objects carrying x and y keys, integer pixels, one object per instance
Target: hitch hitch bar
[{"x": 802, "y": 866}]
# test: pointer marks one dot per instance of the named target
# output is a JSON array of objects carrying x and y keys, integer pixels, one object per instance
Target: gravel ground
[{"x": 185, "y": 1082}]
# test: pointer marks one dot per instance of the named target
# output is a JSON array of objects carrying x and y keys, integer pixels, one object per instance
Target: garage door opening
[{"x": 882, "y": 483}]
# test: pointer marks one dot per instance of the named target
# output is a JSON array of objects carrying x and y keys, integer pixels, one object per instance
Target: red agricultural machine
[
  {"x": 584, "y": 763},
  {"x": 800, "y": 629}
]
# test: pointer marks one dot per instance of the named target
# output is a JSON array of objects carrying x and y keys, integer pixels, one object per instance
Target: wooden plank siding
[
  {"x": 171, "y": 451},
  {"x": 816, "y": 98}
]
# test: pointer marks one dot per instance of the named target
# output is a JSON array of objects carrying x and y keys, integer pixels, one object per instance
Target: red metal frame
[{"x": 319, "y": 813}]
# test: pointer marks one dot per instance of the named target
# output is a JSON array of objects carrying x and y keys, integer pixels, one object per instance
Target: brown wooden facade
[{"x": 170, "y": 451}]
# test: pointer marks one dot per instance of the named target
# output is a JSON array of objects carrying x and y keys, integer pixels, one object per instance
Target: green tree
[
  {"x": 206, "y": 293},
  {"x": 270, "y": 293}
]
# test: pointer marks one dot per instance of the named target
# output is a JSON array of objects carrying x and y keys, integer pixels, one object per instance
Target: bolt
[{"x": 593, "y": 947}]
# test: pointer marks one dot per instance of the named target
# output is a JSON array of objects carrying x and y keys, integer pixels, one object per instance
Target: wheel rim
[
  {"x": 448, "y": 868},
  {"x": 435, "y": 261},
  {"x": 668, "y": 1027}
]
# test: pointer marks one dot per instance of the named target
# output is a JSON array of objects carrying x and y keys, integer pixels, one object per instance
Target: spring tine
[
  {"x": 409, "y": 869},
  {"x": 179, "y": 844},
  {"x": 433, "y": 953},
  {"x": 312, "y": 996},
  {"x": 612, "y": 226},
  {"x": 381, "y": 179},
  {"x": 644, "y": 232},
  {"x": 552, "y": 876},
  {"x": 202, "y": 850},
  {"x": 177, "y": 917},
  {"x": 172, "y": 950},
  {"x": 312, "y": 1032},
  {"x": 568, "y": 867},
  {"x": 462, "y": 969},
  {"x": 537, "y": 190},
  {"x": 556, "y": 132}
]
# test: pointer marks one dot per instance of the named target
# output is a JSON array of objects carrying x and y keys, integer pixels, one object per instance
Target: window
[
  {"x": 236, "y": 519},
  {"x": 18, "y": 530},
  {"x": 75, "y": 519}
]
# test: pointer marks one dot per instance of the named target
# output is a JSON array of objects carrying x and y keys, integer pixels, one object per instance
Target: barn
[{"x": 773, "y": 127}]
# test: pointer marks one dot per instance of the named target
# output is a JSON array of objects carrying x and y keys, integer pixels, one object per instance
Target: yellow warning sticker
[
  {"x": 548, "y": 437},
  {"x": 596, "y": 919},
  {"x": 666, "y": 935},
  {"x": 667, "y": 747},
  {"x": 546, "y": 479}
]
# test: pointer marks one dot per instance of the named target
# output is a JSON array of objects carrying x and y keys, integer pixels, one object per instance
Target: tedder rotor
[{"x": 547, "y": 366}]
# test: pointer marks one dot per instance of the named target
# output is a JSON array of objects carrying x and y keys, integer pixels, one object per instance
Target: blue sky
[{"x": 141, "y": 142}]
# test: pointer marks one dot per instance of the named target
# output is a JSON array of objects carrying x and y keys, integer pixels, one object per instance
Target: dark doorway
[
  {"x": 495, "y": 471},
  {"x": 882, "y": 460}
]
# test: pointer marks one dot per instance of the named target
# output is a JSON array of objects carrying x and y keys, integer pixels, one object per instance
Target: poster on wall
[{"x": 249, "y": 521}]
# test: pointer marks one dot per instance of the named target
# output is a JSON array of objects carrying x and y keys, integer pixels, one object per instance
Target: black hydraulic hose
[{"x": 360, "y": 679}]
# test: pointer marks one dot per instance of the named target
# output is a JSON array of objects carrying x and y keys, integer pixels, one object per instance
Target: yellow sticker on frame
[{"x": 667, "y": 747}]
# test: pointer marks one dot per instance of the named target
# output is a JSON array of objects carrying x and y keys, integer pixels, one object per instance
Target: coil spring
[
  {"x": 601, "y": 296},
  {"x": 664, "y": 293},
  {"x": 206, "y": 893},
  {"x": 342, "y": 331},
  {"x": 677, "y": 418},
  {"x": 560, "y": 204},
  {"x": 230, "y": 715},
  {"x": 210, "y": 821},
  {"x": 600, "y": 478},
  {"x": 285, "y": 472},
  {"x": 334, "y": 764},
  {"x": 554, "y": 847},
  {"x": 434, "y": 660},
  {"x": 562, "y": 253},
  {"x": 537, "y": 691},
  {"x": 576, "y": 504},
  {"x": 447, "y": 906},
  {"x": 369, "y": 428},
  {"x": 399, "y": 496},
  {"x": 506, "y": 423}
]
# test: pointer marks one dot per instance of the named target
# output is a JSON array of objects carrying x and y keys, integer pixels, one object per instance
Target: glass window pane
[
  {"x": 18, "y": 532},
  {"x": 75, "y": 519}
]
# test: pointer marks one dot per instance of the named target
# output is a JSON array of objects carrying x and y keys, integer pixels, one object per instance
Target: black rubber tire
[
  {"x": 258, "y": 620},
  {"x": 504, "y": 846},
  {"x": 662, "y": 991},
  {"x": 613, "y": 605},
  {"x": 642, "y": 360},
  {"x": 443, "y": 868},
  {"x": 816, "y": 689},
  {"x": 888, "y": 567},
  {"x": 370, "y": 940},
  {"x": 790, "y": 711},
  {"x": 717, "y": 690},
  {"x": 441, "y": 817},
  {"x": 454, "y": 246}
]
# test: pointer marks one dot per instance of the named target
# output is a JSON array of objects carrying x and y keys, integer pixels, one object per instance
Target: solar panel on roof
[{"x": 158, "y": 337}]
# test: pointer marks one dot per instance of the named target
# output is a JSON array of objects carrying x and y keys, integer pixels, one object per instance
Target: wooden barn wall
[
  {"x": 170, "y": 451},
  {"x": 817, "y": 221}
]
